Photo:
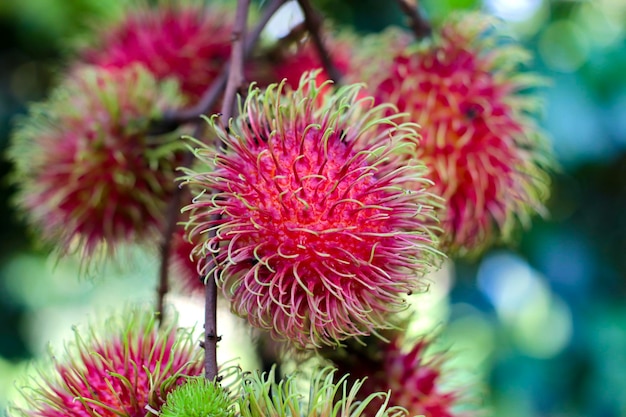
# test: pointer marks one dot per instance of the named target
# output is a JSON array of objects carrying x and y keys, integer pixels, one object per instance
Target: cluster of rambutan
[
  {"x": 92, "y": 175},
  {"x": 320, "y": 209}
]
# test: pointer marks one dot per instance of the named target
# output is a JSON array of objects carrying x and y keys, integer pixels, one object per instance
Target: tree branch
[
  {"x": 235, "y": 75},
  {"x": 172, "y": 121},
  {"x": 235, "y": 79},
  {"x": 210, "y": 315},
  {"x": 420, "y": 26},
  {"x": 313, "y": 25}
]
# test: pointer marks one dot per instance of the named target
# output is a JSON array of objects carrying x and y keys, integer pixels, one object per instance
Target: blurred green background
[{"x": 542, "y": 323}]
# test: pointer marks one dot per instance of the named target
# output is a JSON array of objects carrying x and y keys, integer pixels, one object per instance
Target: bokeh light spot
[
  {"x": 540, "y": 323},
  {"x": 564, "y": 46},
  {"x": 513, "y": 10}
]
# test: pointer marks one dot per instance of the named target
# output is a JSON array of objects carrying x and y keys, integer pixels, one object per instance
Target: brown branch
[
  {"x": 166, "y": 249},
  {"x": 313, "y": 24},
  {"x": 235, "y": 79},
  {"x": 295, "y": 35},
  {"x": 171, "y": 121},
  {"x": 235, "y": 75},
  {"x": 420, "y": 26},
  {"x": 210, "y": 315}
]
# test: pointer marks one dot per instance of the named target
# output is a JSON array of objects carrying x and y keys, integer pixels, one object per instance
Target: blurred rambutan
[
  {"x": 125, "y": 368},
  {"x": 321, "y": 228},
  {"x": 415, "y": 378},
  {"x": 467, "y": 89},
  {"x": 189, "y": 40},
  {"x": 90, "y": 177}
]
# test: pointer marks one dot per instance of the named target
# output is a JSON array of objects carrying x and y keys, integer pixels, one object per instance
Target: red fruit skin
[
  {"x": 295, "y": 60},
  {"x": 189, "y": 41},
  {"x": 117, "y": 371},
  {"x": 415, "y": 378},
  {"x": 321, "y": 225},
  {"x": 90, "y": 178},
  {"x": 487, "y": 156},
  {"x": 183, "y": 266}
]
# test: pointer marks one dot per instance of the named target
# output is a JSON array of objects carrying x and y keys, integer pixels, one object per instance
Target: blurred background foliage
[{"x": 542, "y": 323}]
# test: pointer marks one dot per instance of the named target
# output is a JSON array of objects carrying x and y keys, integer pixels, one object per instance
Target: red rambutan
[
  {"x": 89, "y": 175},
  {"x": 187, "y": 40},
  {"x": 415, "y": 378},
  {"x": 487, "y": 156},
  {"x": 321, "y": 228},
  {"x": 125, "y": 369}
]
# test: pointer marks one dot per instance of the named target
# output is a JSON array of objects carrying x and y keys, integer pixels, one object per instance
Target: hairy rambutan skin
[
  {"x": 189, "y": 40},
  {"x": 321, "y": 227},
  {"x": 199, "y": 397},
  {"x": 90, "y": 177},
  {"x": 415, "y": 377},
  {"x": 415, "y": 382},
  {"x": 125, "y": 368},
  {"x": 487, "y": 156}
]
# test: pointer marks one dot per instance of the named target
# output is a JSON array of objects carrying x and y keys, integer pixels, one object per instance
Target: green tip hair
[
  {"x": 328, "y": 396},
  {"x": 198, "y": 397}
]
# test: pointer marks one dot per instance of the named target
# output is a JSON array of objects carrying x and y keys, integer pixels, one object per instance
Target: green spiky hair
[
  {"x": 198, "y": 397},
  {"x": 263, "y": 397}
]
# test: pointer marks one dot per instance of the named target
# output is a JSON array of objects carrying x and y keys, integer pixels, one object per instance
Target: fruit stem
[
  {"x": 313, "y": 24},
  {"x": 235, "y": 75},
  {"x": 173, "y": 120},
  {"x": 421, "y": 27}
]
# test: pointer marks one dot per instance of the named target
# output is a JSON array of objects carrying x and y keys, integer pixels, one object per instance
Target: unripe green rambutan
[
  {"x": 198, "y": 397},
  {"x": 89, "y": 176}
]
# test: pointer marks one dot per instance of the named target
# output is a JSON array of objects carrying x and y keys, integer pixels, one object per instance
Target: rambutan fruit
[
  {"x": 198, "y": 397},
  {"x": 321, "y": 227},
  {"x": 125, "y": 368},
  {"x": 415, "y": 378},
  {"x": 293, "y": 56},
  {"x": 187, "y": 40},
  {"x": 90, "y": 176},
  {"x": 467, "y": 88}
]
